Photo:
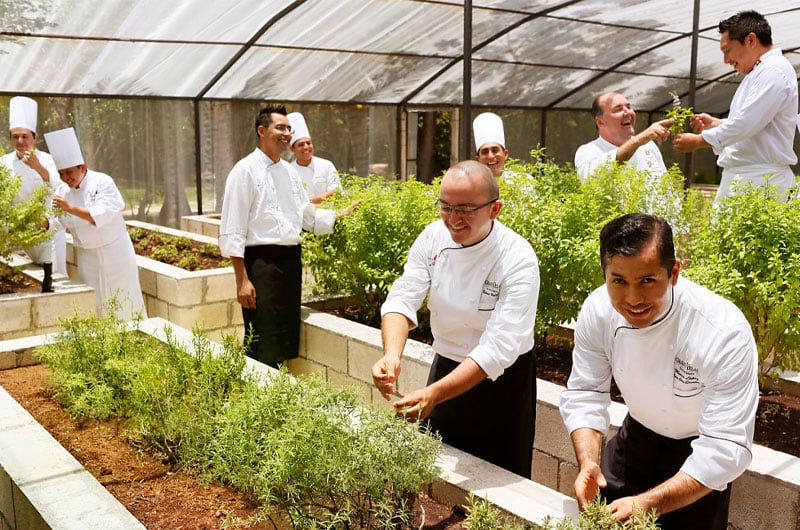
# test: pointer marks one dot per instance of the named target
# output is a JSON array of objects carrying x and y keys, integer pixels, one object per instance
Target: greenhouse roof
[{"x": 539, "y": 53}]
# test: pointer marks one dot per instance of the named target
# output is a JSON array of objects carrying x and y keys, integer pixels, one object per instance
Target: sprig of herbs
[{"x": 678, "y": 114}]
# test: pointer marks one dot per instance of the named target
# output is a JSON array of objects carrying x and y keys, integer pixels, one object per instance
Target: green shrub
[
  {"x": 749, "y": 252},
  {"x": 367, "y": 251},
  {"x": 166, "y": 253},
  {"x": 21, "y": 221},
  {"x": 189, "y": 262}
]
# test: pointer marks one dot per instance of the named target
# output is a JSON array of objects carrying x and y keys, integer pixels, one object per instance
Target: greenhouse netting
[{"x": 164, "y": 94}]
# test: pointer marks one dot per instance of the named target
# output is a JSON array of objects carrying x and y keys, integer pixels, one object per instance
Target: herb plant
[
  {"x": 679, "y": 114},
  {"x": 21, "y": 221}
]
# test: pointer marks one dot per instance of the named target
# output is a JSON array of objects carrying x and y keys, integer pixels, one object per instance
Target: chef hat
[
  {"x": 488, "y": 127},
  {"x": 298, "y": 123},
  {"x": 22, "y": 113},
  {"x": 64, "y": 148}
]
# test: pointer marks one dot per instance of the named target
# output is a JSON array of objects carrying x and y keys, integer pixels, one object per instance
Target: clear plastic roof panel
[{"x": 537, "y": 53}]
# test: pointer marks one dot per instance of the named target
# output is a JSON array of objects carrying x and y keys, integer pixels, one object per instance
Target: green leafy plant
[
  {"x": 21, "y": 220},
  {"x": 749, "y": 252},
  {"x": 679, "y": 114},
  {"x": 310, "y": 453},
  {"x": 481, "y": 515},
  {"x": 367, "y": 251},
  {"x": 167, "y": 253}
]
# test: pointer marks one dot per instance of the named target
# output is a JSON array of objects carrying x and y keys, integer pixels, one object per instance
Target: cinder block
[
  {"x": 413, "y": 375},
  {"x": 156, "y": 308},
  {"x": 148, "y": 280},
  {"x": 551, "y": 434},
  {"x": 219, "y": 287},
  {"x": 567, "y": 473},
  {"x": 235, "y": 316},
  {"x": 209, "y": 316},
  {"x": 343, "y": 380},
  {"x": 302, "y": 366},
  {"x": 759, "y": 501},
  {"x": 15, "y": 314},
  {"x": 326, "y": 347},
  {"x": 361, "y": 357},
  {"x": 545, "y": 470},
  {"x": 6, "y": 499},
  {"x": 180, "y": 292},
  {"x": 47, "y": 309}
]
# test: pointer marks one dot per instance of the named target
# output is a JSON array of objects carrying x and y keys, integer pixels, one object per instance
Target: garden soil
[{"x": 157, "y": 494}]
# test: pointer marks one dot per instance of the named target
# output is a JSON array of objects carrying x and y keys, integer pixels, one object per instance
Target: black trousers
[
  {"x": 495, "y": 420},
  {"x": 276, "y": 273},
  {"x": 637, "y": 459}
]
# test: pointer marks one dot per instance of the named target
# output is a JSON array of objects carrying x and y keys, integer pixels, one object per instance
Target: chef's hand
[
  {"x": 416, "y": 406},
  {"x": 61, "y": 203},
  {"x": 347, "y": 210},
  {"x": 701, "y": 122},
  {"x": 590, "y": 480},
  {"x": 385, "y": 373},
  {"x": 31, "y": 160},
  {"x": 246, "y": 294},
  {"x": 623, "y": 508},
  {"x": 658, "y": 132},
  {"x": 688, "y": 142}
]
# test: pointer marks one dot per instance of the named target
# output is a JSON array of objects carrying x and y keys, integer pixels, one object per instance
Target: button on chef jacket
[
  {"x": 482, "y": 297},
  {"x": 266, "y": 204},
  {"x": 693, "y": 372}
]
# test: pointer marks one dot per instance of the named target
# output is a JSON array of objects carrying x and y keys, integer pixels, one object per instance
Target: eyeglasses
[
  {"x": 284, "y": 128},
  {"x": 463, "y": 211}
]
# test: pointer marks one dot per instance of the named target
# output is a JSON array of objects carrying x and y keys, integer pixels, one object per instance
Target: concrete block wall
[
  {"x": 187, "y": 298},
  {"x": 207, "y": 225},
  {"x": 766, "y": 496},
  {"x": 35, "y": 313}
]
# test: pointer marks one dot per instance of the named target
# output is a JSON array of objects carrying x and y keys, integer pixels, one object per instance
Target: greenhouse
[{"x": 163, "y": 94}]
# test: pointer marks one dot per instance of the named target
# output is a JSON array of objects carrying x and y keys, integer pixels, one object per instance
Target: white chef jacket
[
  {"x": 600, "y": 151},
  {"x": 757, "y": 137},
  {"x": 265, "y": 204},
  {"x": 55, "y": 250},
  {"x": 106, "y": 259},
  {"x": 318, "y": 176},
  {"x": 693, "y": 372},
  {"x": 482, "y": 298}
]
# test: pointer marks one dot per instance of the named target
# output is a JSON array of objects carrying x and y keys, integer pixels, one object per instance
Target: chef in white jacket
[
  {"x": 756, "y": 140},
  {"x": 93, "y": 214},
  {"x": 685, "y": 362},
  {"x": 264, "y": 212},
  {"x": 318, "y": 174},
  {"x": 482, "y": 284},
  {"x": 35, "y": 168}
]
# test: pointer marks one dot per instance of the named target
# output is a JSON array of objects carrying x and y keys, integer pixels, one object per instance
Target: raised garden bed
[{"x": 186, "y": 298}]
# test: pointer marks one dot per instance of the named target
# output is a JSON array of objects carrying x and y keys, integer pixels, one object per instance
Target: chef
[
  {"x": 617, "y": 140},
  {"x": 318, "y": 174},
  {"x": 264, "y": 211},
  {"x": 685, "y": 362},
  {"x": 490, "y": 143},
  {"x": 36, "y": 168},
  {"x": 482, "y": 284},
  {"x": 756, "y": 140},
  {"x": 93, "y": 204}
]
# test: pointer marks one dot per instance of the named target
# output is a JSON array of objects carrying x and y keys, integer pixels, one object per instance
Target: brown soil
[
  {"x": 203, "y": 257},
  {"x": 16, "y": 282},
  {"x": 159, "y": 495}
]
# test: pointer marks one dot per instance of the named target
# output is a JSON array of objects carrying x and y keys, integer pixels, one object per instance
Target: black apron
[
  {"x": 637, "y": 459},
  {"x": 276, "y": 273},
  {"x": 495, "y": 420}
]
